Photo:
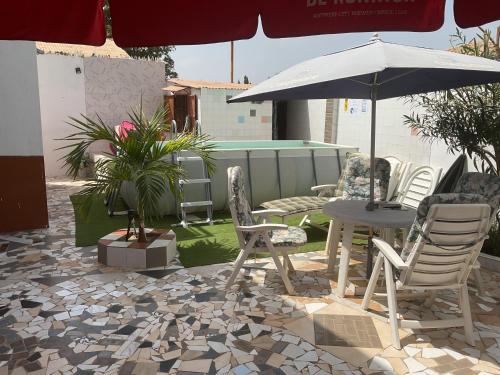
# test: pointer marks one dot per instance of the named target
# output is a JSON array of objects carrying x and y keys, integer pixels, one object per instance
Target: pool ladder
[{"x": 204, "y": 180}]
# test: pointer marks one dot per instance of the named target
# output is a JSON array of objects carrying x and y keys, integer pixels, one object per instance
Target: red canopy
[
  {"x": 60, "y": 21},
  {"x": 469, "y": 13},
  {"x": 284, "y": 18},
  {"x": 205, "y": 21},
  {"x": 166, "y": 22},
  {"x": 160, "y": 22}
]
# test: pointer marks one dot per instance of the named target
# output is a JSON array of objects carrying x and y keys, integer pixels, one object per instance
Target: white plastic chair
[
  {"x": 447, "y": 244},
  {"x": 420, "y": 183},
  {"x": 396, "y": 165},
  {"x": 256, "y": 235}
]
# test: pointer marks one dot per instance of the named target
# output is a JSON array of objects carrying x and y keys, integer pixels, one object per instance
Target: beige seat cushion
[{"x": 296, "y": 205}]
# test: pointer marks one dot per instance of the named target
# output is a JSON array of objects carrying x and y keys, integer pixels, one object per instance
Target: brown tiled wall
[{"x": 23, "y": 199}]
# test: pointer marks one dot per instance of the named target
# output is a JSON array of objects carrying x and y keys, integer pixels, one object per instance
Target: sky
[{"x": 260, "y": 57}]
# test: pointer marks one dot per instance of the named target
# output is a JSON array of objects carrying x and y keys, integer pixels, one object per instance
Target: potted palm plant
[{"x": 141, "y": 159}]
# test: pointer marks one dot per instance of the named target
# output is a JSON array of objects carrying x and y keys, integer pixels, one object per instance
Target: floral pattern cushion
[
  {"x": 484, "y": 184},
  {"x": 237, "y": 197},
  {"x": 291, "y": 237},
  {"x": 356, "y": 178},
  {"x": 423, "y": 209},
  {"x": 360, "y": 189}
]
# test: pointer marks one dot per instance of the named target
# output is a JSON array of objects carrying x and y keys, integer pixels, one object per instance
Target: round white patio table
[{"x": 347, "y": 214}]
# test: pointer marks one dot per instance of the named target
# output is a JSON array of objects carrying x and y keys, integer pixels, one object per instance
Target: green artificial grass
[{"x": 198, "y": 245}]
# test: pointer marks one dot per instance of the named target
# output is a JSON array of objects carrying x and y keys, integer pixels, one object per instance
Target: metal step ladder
[{"x": 204, "y": 180}]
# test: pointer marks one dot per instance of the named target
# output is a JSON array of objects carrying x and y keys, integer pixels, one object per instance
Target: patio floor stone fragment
[{"x": 61, "y": 312}]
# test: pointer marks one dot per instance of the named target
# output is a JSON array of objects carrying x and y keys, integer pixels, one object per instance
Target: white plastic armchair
[
  {"x": 396, "y": 175},
  {"x": 442, "y": 247},
  {"x": 419, "y": 184},
  {"x": 254, "y": 232}
]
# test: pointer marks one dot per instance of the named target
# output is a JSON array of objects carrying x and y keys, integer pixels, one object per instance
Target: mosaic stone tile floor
[{"x": 63, "y": 313}]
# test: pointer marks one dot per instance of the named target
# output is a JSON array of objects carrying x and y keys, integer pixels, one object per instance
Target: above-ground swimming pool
[{"x": 273, "y": 169}]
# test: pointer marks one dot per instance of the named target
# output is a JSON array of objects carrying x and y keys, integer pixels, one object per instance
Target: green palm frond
[{"x": 141, "y": 159}]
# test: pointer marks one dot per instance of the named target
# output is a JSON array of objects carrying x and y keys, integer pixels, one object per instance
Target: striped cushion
[{"x": 296, "y": 205}]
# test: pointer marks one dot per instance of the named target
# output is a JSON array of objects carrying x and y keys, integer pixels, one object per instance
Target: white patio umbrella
[{"x": 377, "y": 70}]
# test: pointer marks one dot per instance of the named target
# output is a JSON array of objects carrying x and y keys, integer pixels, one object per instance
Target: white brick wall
[{"x": 222, "y": 121}]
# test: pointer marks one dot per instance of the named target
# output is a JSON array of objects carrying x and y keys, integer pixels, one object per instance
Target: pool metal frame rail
[{"x": 278, "y": 170}]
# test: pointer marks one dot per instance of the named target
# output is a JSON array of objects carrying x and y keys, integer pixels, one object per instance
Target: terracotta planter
[{"x": 159, "y": 251}]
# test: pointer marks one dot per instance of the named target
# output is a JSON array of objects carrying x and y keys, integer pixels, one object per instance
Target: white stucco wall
[
  {"x": 222, "y": 121},
  {"x": 108, "y": 87},
  {"x": 20, "y": 124},
  {"x": 393, "y": 137},
  {"x": 62, "y": 94},
  {"x": 114, "y": 86},
  {"x": 306, "y": 119}
]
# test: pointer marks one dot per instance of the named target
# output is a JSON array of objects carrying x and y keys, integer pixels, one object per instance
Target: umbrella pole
[{"x": 371, "y": 205}]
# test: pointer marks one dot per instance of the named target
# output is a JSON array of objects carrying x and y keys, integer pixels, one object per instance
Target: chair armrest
[
  {"x": 390, "y": 254},
  {"x": 260, "y": 227},
  {"x": 323, "y": 187},
  {"x": 270, "y": 212}
]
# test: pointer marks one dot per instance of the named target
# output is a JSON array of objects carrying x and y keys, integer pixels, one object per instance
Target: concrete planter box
[
  {"x": 159, "y": 251},
  {"x": 489, "y": 262}
]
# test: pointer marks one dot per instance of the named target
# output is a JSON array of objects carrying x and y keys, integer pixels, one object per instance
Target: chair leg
[
  {"x": 287, "y": 263},
  {"x": 405, "y": 231},
  {"x": 329, "y": 237},
  {"x": 370, "y": 289},
  {"x": 241, "y": 259},
  {"x": 304, "y": 220},
  {"x": 279, "y": 266},
  {"x": 333, "y": 243},
  {"x": 392, "y": 304},
  {"x": 465, "y": 306},
  {"x": 345, "y": 257}
]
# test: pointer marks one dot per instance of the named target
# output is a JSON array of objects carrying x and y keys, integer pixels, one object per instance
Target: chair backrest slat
[
  {"x": 456, "y": 226},
  {"x": 433, "y": 254},
  {"x": 418, "y": 188}
]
